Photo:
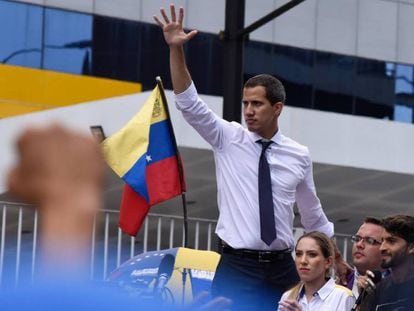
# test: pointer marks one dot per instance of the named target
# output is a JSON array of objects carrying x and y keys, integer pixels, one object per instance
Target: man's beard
[
  {"x": 393, "y": 260},
  {"x": 387, "y": 264}
]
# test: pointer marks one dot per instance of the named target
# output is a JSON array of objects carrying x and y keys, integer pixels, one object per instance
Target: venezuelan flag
[{"x": 144, "y": 154}]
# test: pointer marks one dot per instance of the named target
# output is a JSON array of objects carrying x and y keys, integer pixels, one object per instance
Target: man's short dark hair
[
  {"x": 275, "y": 91},
  {"x": 373, "y": 220},
  {"x": 401, "y": 226}
]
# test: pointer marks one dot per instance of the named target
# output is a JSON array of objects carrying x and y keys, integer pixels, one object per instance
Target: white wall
[
  {"x": 352, "y": 140},
  {"x": 378, "y": 29},
  {"x": 111, "y": 113},
  {"x": 332, "y": 138}
]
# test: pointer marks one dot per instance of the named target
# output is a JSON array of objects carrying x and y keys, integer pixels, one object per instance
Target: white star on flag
[{"x": 148, "y": 158}]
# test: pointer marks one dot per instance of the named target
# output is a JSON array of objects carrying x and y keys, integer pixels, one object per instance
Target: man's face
[
  {"x": 260, "y": 115},
  {"x": 394, "y": 250},
  {"x": 366, "y": 256}
]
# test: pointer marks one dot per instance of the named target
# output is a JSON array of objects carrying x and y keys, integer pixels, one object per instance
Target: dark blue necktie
[{"x": 267, "y": 217}]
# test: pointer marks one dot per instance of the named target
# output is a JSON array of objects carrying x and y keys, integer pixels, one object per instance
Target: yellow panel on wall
[{"x": 25, "y": 90}]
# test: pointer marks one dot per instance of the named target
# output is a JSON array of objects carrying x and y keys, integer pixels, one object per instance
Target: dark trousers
[{"x": 252, "y": 284}]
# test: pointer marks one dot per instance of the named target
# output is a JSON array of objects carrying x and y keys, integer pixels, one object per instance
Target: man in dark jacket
[{"x": 395, "y": 292}]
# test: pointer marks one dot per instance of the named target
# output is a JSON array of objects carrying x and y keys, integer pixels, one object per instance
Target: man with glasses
[{"x": 366, "y": 254}]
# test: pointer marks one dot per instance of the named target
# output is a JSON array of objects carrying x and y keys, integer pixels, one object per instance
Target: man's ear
[{"x": 278, "y": 108}]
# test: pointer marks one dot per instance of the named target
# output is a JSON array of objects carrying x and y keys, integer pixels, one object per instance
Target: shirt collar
[
  {"x": 301, "y": 291},
  {"x": 326, "y": 289},
  {"x": 277, "y": 138},
  {"x": 386, "y": 273},
  {"x": 357, "y": 274}
]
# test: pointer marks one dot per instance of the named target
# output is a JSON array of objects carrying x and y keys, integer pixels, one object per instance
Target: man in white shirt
[{"x": 256, "y": 267}]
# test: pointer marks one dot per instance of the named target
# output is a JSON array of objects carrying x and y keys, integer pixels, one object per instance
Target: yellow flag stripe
[{"x": 125, "y": 147}]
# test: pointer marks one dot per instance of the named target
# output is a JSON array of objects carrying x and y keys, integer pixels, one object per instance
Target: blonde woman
[{"x": 316, "y": 290}]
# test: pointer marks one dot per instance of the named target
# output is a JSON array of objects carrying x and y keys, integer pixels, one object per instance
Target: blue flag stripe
[
  {"x": 160, "y": 143},
  {"x": 160, "y": 147},
  {"x": 135, "y": 178}
]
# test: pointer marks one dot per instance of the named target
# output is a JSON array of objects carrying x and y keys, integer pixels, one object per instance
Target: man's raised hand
[{"x": 174, "y": 33}]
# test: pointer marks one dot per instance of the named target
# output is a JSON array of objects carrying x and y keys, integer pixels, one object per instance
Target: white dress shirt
[
  {"x": 236, "y": 154},
  {"x": 331, "y": 297},
  {"x": 355, "y": 290}
]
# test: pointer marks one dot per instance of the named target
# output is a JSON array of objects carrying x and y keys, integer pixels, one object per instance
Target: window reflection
[
  {"x": 21, "y": 34},
  {"x": 369, "y": 108},
  {"x": 374, "y": 89},
  {"x": 404, "y": 79},
  {"x": 204, "y": 56},
  {"x": 403, "y": 113},
  {"x": 334, "y": 82},
  {"x": 119, "y": 47},
  {"x": 390, "y": 69},
  {"x": 68, "y": 38},
  {"x": 295, "y": 68},
  {"x": 404, "y": 90},
  {"x": 259, "y": 59}
]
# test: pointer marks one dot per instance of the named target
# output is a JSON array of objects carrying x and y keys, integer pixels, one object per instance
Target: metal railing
[
  {"x": 158, "y": 232},
  {"x": 110, "y": 246}
]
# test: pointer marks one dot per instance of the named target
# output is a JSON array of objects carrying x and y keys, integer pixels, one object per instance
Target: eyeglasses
[{"x": 367, "y": 239}]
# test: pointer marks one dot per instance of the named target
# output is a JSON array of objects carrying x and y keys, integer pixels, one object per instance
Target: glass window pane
[
  {"x": 294, "y": 67},
  {"x": 404, "y": 90},
  {"x": 21, "y": 34},
  {"x": 68, "y": 39},
  {"x": 334, "y": 82},
  {"x": 118, "y": 48},
  {"x": 390, "y": 69},
  {"x": 404, "y": 79},
  {"x": 154, "y": 60},
  {"x": 335, "y": 102},
  {"x": 403, "y": 113},
  {"x": 298, "y": 94},
  {"x": 374, "y": 89},
  {"x": 259, "y": 59},
  {"x": 368, "y": 108},
  {"x": 205, "y": 59}
]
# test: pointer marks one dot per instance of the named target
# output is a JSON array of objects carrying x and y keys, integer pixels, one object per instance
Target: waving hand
[{"x": 174, "y": 33}]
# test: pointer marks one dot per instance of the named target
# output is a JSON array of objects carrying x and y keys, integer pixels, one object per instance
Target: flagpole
[{"x": 179, "y": 163}]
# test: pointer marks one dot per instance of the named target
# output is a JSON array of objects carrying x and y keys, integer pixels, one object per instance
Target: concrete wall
[
  {"x": 332, "y": 138},
  {"x": 111, "y": 113},
  {"x": 378, "y": 29}
]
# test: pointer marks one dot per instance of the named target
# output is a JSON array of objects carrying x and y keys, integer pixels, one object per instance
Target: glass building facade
[{"x": 65, "y": 41}]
